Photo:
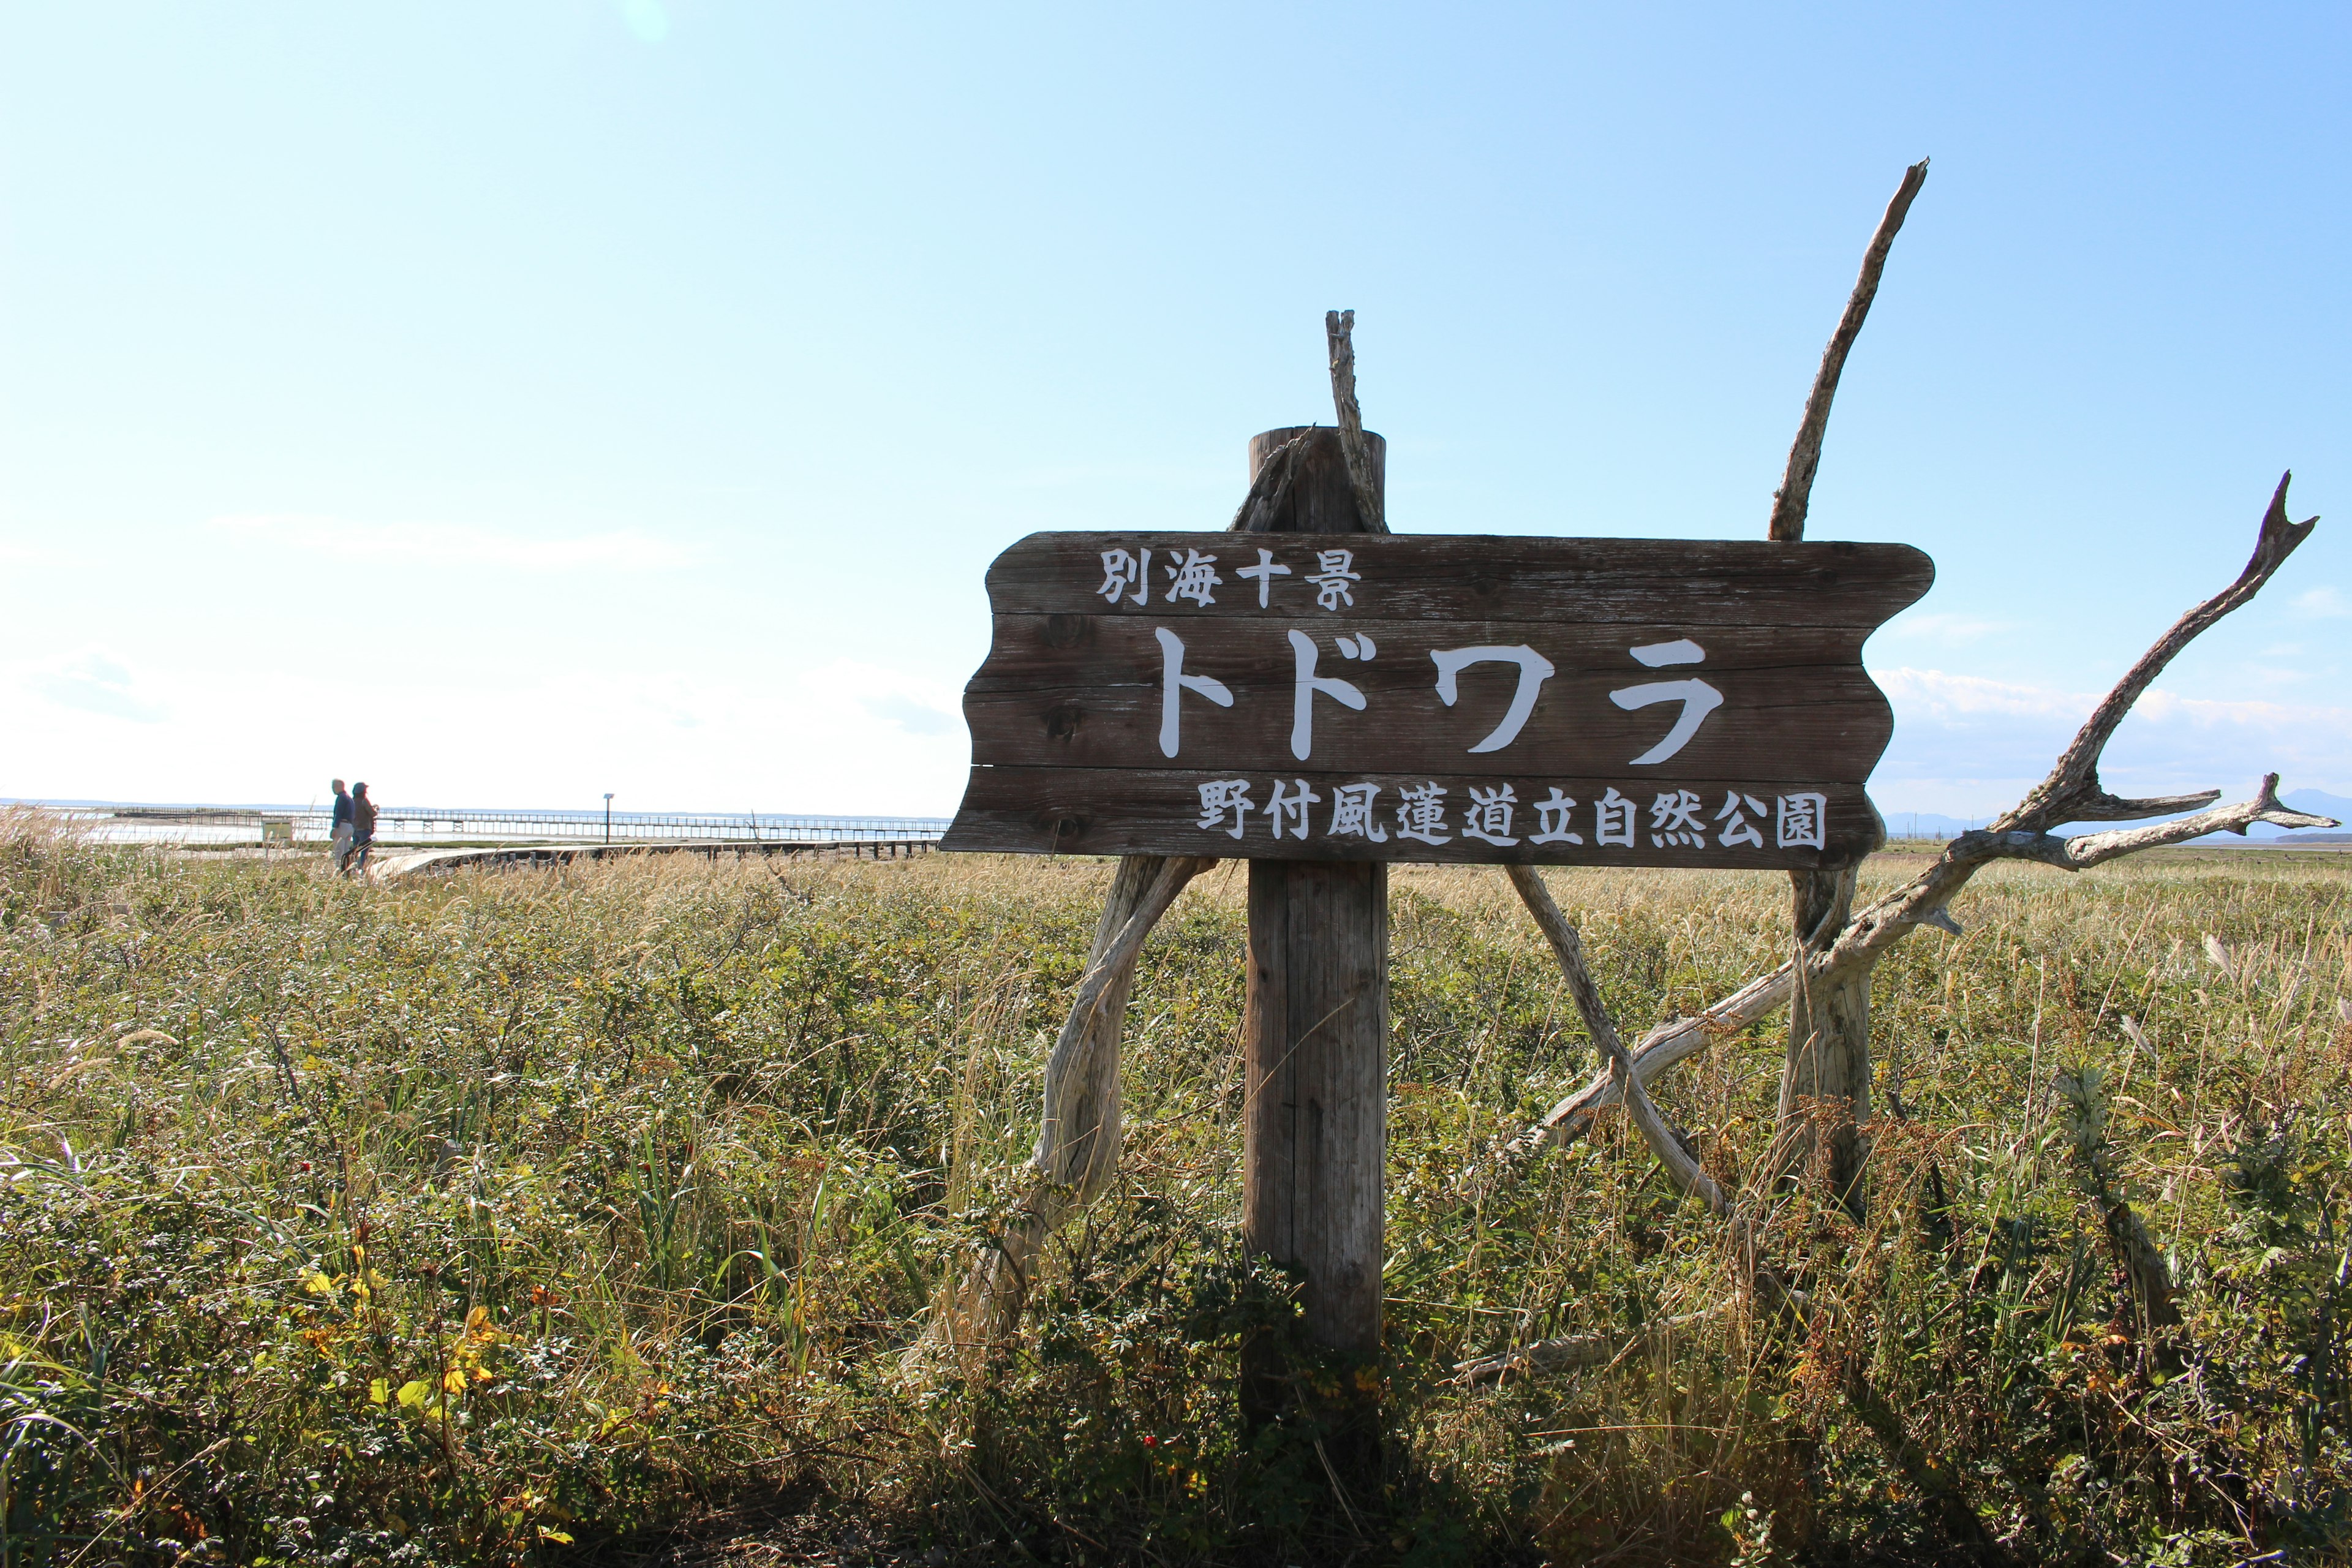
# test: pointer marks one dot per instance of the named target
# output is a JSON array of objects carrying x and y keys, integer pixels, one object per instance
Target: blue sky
[{"x": 510, "y": 404}]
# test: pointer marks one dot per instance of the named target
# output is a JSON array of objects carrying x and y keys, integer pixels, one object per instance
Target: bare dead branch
[
  {"x": 1079, "y": 1126},
  {"x": 1790, "y": 501},
  {"x": 2082, "y": 849},
  {"x": 1671, "y": 1152},
  {"x": 1338, "y": 333},
  {"x": 2072, "y": 792},
  {"x": 1682, "y": 1169},
  {"x": 1060, "y": 1157},
  {"x": 1889, "y": 919},
  {"x": 1664, "y": 1047},
  {"x": 1569, "y": 947},
  {"x": 1921, "y": 901}
]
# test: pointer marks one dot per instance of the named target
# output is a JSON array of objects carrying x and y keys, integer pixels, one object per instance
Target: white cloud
[
  {"x": 2323, "y": 604},
  {"x": 1939, "y": 626},
  {"x": 831, "y": 739},
  {"x": 442, "y": 545},
  {"x": 93, "y": 681},
  {"x": 1967, "y": 745}
]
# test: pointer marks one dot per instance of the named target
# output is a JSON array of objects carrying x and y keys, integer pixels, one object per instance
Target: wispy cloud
[
  {"x": 451, "y": 544},
  {"x": 1978, "y": 741},
  {"x": 2323, "y": 604},
  {"x": 1937, "y": 625},
  {"x": 94, "y": 682}
]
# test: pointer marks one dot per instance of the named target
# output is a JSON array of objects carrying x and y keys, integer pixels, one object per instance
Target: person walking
[
  {"x": 339, "y": 843},
  {"x": 363, "y": 826}
]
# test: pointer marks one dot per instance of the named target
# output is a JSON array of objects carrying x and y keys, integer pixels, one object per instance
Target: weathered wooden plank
[
  {"x": 1682, "y": 582},
  {"x": 1316, "y": 1116},
  {"x": 1315, "y": 1051},
  {"x": 1031, "y": 651},
  {"x": 1649, "y": 666},
  {"x": 1762, "y": 731},
  {"x": 1112, "y": 811}
]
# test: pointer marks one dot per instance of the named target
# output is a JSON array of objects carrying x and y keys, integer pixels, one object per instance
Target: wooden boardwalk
[{"x": 404, "y": 864}]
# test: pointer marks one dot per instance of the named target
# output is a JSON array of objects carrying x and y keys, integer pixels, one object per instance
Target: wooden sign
[{"x": 1431, "y": 698}]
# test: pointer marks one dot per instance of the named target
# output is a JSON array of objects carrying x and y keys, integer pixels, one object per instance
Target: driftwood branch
[
  {"x": 2072, "y": 792},
  {"x": 1790, "y": 501},
  {"x": 1079, "y": 1128},
  {"x": 1668, "y": 1145},
  {"x": 2016, "y": 836},
  {"x": 1338, "y": 333},
  {"x": 1078, "y": 1142},
  {"x": 1664, "y": 1047},
  {"x": 1682, "y": 1166}
]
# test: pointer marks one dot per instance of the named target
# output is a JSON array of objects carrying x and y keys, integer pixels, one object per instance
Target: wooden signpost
[
  {"x": 1321, "y": 701},
  {"x": 1463, "y": 698}
]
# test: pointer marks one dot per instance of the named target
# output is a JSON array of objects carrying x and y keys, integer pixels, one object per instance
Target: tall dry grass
[{"x": 495, "y": 1218}]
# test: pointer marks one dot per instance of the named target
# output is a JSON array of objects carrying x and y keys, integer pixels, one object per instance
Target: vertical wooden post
[{"x": 1316, "y": 1053}]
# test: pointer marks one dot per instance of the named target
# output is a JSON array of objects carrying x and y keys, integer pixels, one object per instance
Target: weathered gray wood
[
  {"x": 1895, "y": 916},
  {"x": 1803, "y": 727},
  {"x": 1686, "y": 583},
  {"x": 1310, "y": 490},
  {"x": 1079, "y": 1126},
  {"x": 1790, "y": 503},
  {"x": 1363, "y": 478},
  {"x": 1314, "y": 1067},
  {"x": 1829, "y": 1025},
  {"x": 1316, "y": 1117},
  {"x": 1120, "y": 811},
  {"x": 1825, "y": 1078},
  {"x": 1771, "y": 635}
]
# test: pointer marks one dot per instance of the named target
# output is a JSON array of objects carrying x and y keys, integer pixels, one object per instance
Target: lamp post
[{"x": 608, "y": 817}]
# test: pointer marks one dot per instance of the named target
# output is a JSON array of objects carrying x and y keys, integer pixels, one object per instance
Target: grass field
[{"x": 519, "y": 1218}]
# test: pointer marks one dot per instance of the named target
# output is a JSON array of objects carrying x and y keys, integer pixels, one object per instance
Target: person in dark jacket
[
  {"x": 339, "y": 844},
  {"x": 362, "y": 825}
]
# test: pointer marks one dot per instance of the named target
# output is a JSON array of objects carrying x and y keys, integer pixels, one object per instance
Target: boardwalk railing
[{"x": 443, "y": 824}]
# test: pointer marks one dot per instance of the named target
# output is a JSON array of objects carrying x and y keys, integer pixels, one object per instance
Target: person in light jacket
[{"x": 363, "y": 826}]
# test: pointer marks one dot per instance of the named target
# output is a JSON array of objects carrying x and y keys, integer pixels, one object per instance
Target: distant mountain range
[{"x": 1928, "y": 825}]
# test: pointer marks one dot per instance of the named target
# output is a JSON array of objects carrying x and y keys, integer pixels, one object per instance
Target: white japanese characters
[
  {"x": 1551, "y": 819},
  {"x": 1121, "y": 572},
  {"x": 1291, "y": 808},
  {"x": 1220, "y": 798},
  {"x": 1489, "y": 816},
  {"x": 1126, "y": 577},
  {"x": 1673, "y": 820},
  {"x": 1533, "y": 671},
  {"x": 1352, "y": 813},
  {"x": 1436, "y": 813},
  {"x": 1308, "y": 685},
  {"x": 1698, "y": 697},
  {"x": 1174, "y": 683},
  {"x": 1266, "y": 572},
  {"x": 1335, "y": 574},
  {"x": 1422, "y": 813},
  {"x": 1192, "y": 577},
  {"x": 1798, "y": 821},
  {"x": 1431, "y": 812}
]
